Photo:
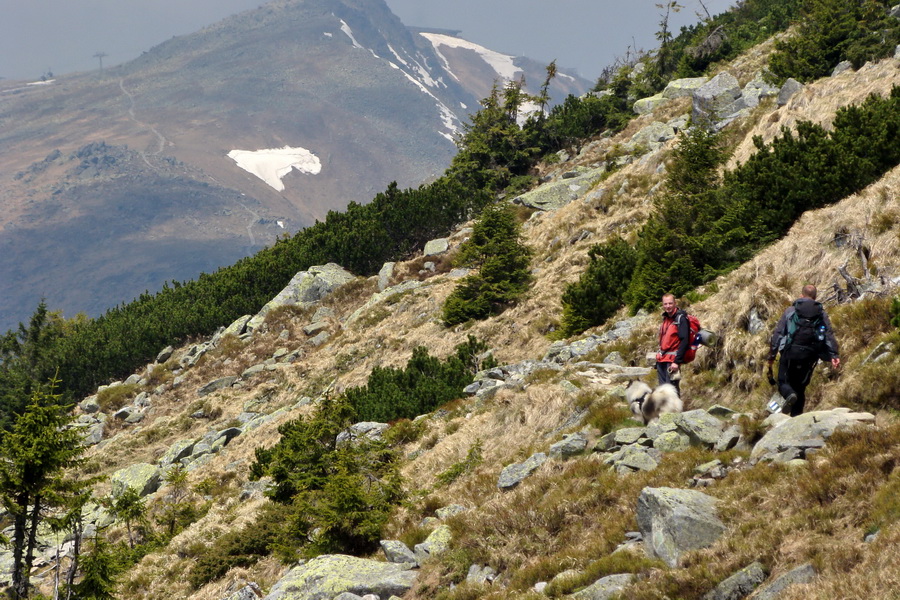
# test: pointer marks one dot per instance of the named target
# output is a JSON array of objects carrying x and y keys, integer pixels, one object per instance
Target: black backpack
[{"x": 805, "y": 329}]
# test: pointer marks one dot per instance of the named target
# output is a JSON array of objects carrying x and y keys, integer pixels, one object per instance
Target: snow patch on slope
[
  {"x": 272, "y": 164},
  {"x": 501, "y": 63}
]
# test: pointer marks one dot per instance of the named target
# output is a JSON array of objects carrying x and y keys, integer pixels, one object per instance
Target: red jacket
[{"x": 674, "y": 337}]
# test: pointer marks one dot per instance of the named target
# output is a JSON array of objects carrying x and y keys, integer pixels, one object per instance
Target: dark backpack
[{"x": 805, "y": 329}]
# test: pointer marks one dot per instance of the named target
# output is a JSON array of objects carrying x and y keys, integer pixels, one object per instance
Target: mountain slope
[
  {"x": 572, "y": 514},
  {"x": 362, "y": 100}
]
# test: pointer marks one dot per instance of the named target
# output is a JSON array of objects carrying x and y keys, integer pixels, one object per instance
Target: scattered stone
[
  {"x": 326, "y": 576},
  {"x": 217, "y": 384},
  {"x": 315, "y": 328},
  {"x": 512, "y": 475},
  {"x": 250, "y": 591},
  {"x": 740, "y": 585},
  {"x": 844, "y": 65},
  {"x": 449, "y": 511},
  {"x": 385, "y": 275},
  {"x": 799, "y": 575},
  {"x": 703, "y": 428},
  {"x": 674, "y": 521},
  {"x": 571, "y": 445},
  {"x": 90, "y": 405},
  {"x": 436, "y": 247},
  {"x": 679, "y": 88},
  {"x": 672, "y": 441},
  {"x": 788, "y": 90},
  {"x": 605, "y": 588},
  {"x": 165, "y": 354},
  {"x": 320, "y": 339},
  {"x": 648, "y": 105},
  {"x": 436, "y": 543},
  {"x": 397, "y": 552},
  {"x": 142, "y": 477},
  {"x": 479, "y": 574}
]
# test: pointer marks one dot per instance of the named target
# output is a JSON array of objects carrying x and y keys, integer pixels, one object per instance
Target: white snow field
[{"x": 272, "y": 164}]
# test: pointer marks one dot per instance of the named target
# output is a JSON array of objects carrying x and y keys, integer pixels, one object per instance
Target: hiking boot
[{"x": 788, "y": 402}]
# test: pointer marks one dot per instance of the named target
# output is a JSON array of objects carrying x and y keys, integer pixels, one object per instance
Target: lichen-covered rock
[
  {"x": 679, "y": 88},
  {"x": 396, "y": 551},
  {"x": 384, "y": 275},
  {"x": 142, "y": 477},
  {"x": 604, "y": 588},
  {"x": 436, "y": 543},
  {"x": 674, "y": 521},
  {"x": 718, "y": 100},
  {"x": 250, "y": 591},
  {"x": 703, "y": 428},
  {"x": 450, "y": 510},
  {"x": 512, "y": 475},
  {"x": 672, "y": 441},
  {"x": 555, "y": 195},
  {"x": 436, "y": 247},
  {"x": 571, "y": 445},
  {"x": 217, "y": 384},
  {"x": 740, "y": 585},
  {"x": 649, "y": 104},
  {"x": 326, "y": 576},
  {"x": 90, "y": 405},
  {"x": 799, "y": 575},
  {"x": 792, "y": 437},
  {"x": 629, "y": 435},
  {"x": 305, "y": 289},
  {"x": 176, "y": 452},
  {"x": 479, "y": 574}
]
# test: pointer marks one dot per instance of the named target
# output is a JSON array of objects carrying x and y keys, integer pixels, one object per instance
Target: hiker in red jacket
[{"x": 674, "y": 339}]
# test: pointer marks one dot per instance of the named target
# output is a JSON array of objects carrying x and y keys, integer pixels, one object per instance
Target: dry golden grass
[
  {"x": 572, "y": 514},
  {"x": 818, "y": 102}
]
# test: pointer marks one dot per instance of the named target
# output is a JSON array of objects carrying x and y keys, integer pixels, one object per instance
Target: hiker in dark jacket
[
  {"x": 674, "y": 339},
  {"x": 803, "y": 335}
]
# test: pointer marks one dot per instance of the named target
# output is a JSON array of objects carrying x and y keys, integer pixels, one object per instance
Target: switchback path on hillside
[{"x": 162, "y": 144}]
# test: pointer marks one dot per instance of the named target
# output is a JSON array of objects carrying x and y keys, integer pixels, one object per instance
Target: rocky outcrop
[
  {"x": 555, "y": 195},
  {"x": 436, "y": 247},
  {"x": 397, "y": 552},
  {"x": 326, "y": 576},
  {"x": 305, "y": 289},
  {"x": 792, "y": 438},
  {"x": 674, "y": 521},
  {"x": 142, "y": 477},
  {"x": 437, "y": 542},
  {"x": 718, "y": 101}
]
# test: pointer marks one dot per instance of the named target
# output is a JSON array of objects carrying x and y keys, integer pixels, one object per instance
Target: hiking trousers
[
  {"x": 793, "y": 377},
  {"x": 663, "y": 376}
]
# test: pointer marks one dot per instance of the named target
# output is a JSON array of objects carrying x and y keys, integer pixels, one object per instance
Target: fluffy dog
[{"x": 647, "y": 404}]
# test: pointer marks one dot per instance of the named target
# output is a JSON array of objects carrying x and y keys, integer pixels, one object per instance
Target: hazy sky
[{"x": 64, "y": 35}]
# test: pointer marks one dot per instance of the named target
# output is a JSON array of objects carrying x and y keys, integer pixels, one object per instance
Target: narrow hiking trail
[{"x": 161, "y": 144}]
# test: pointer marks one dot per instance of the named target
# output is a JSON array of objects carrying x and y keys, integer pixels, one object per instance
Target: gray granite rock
[
  {"x": 788, "y": 90},
  {"x": 605, "y": 588},
  {"x": 512, "y": 475},
  {"x": 397, "y": 552},
  {"x": 798, "y": 575},
  {"x": 740, "y": 585},
  {"x": 326, "y": 576},
  {"x": 674, "y": 521}
]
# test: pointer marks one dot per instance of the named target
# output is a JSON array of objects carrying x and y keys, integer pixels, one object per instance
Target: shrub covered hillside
[{"x": 455, "y": 427}]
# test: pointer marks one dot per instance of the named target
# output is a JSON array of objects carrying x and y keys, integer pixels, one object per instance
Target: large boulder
[
  {"x": 718, "y": 101},
  {"x": 557, "y": 194},
  {"x": 305, "y": 289},
  {"x": 674, "y": 521},
  {"x": 396, "y": 551},
  {"x": 793, "y": 437},
  {"x": 217, "y": 384},
  {"x": 326, "y": 576},
  {"x": 703, "y": 428},
  {"x": 678, "y": 88},
  {"x": 142, "y": 477},
  {"x": 787, "y": 91},
  {"x": 649, "y": 104}
]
